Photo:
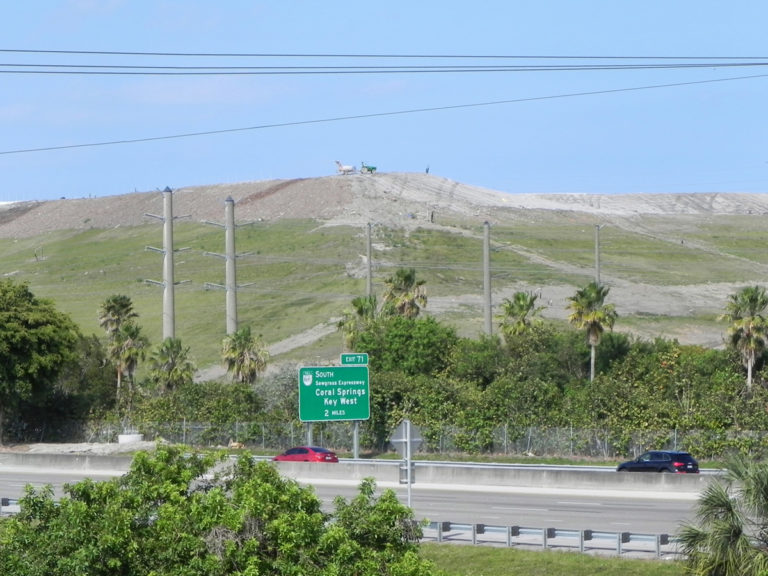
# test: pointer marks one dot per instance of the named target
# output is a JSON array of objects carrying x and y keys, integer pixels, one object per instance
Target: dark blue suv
[{"x": 662, "y": 461}]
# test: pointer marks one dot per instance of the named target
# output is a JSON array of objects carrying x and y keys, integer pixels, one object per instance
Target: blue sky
[{"x": 700, "y": 133}]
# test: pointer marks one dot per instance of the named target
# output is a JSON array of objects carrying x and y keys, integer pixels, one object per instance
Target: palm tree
[
  {"x": 128, "y": 347},
  {"x": 746, "y": 311},
  {"x": 589, "y": 311},
  {"x": 116, "y": 316},
  {"x": 114, "y": 311},
  {"x": 171, "y": 365},
  {"x": 357, "y": 320},
  {"x": 519, "y": 314},
  {"x": 404, "y": 295},
  {"x": 245, "y": 355},
  {"x": 732, "y": 536}
]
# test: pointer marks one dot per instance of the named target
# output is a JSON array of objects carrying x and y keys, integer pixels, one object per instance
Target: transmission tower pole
[
  {"x": 369, "y": 271},
  {"x": 597, "y": 253},
  {"x": 169, "y": 303},
  {"x": 487, "y": 277},
  {"x": 169, "y": 313},
  {"x": 230, "y": 272},
  {"x": 168, "y": 283},
  {"x": 230, "y": 258}
]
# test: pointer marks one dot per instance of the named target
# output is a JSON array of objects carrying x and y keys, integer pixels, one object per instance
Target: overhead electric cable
[
  {"x": 375, "y": 115},
  {"x": 139, "y": 70},
  {"x": 342, "y": 55}
]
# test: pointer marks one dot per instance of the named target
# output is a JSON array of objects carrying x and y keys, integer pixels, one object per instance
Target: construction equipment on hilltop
[
  {"x": 344, "y": 169},
  {"x": 366, "y": 169}
]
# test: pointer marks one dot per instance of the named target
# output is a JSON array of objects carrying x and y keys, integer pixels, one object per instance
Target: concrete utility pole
[
  {"x": 487, "y": 278},
  {"x": 597, "y": 253},
  {"x": 169, "y": 302},
  {"x": 369, "y": 270},
  {"x": 169, "y": 312},
  {"x": 230, "y": 269},
  {"x": 230, "y": 257}
]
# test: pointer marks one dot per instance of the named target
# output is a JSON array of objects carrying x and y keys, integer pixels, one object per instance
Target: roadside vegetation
[
  {"x": 538, "y": 375},
  {"x": 164, "y": 517},
  {"x": 167, "y": 517}
]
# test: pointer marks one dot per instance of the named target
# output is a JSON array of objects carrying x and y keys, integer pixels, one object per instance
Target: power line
[
  {"x": 374, "y": 115},
  {"x": 142, "y": 70},
  {"x": 353, "y": 55},
  {"x": 462, "y": 63}
]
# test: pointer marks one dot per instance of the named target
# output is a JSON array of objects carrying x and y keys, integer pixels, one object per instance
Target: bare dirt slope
[{"x": 395, "y": 199}]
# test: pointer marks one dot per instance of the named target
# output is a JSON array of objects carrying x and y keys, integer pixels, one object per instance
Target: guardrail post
[
  {"x": 583, "y": 536},
  {"x": 512, "y": 531},
  {"x": 621, "y": 538},
  {"x": 661, "y": 540},
  {"x": 442, "y": 527},
  {"x": 548, "y": 533},
  {"x": 477, "y": 529}
]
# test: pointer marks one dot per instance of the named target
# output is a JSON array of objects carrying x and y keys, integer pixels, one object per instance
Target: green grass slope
[{"x": 669, "y": 274}]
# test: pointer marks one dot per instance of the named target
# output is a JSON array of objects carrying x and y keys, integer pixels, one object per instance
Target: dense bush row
[
  {"x": 537, "y": 379},
  {"x": 537, "y": 375}
]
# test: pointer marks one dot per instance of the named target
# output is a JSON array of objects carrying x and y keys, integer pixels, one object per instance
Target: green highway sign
[
  {"x": 354, "y": 358},
  {"x": 330, "y": 393}
]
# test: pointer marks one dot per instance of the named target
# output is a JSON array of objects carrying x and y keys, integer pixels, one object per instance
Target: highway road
[{"x": 610, "y": 512}]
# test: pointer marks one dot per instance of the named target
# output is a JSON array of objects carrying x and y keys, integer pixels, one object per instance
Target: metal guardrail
[
  {"x": 8, "y": 506},
  {"x": 582, "y": 540}
]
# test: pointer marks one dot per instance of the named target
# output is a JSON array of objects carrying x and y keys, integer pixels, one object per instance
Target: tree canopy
[
  {"x": 244, "y": 354},
  {"x": 746, "y": 312},
  {"x": 412, "y": 345},
  {"x": 165, "y": 517},
  {"x": 171, "y": 365},
  {"x": 730, "y": 535},
  {"x": 404, "y": 295},
  {"x": 590, "y": 312},
  {"x": 519, "y": 314},
  {"x": 36, "y": 342}
]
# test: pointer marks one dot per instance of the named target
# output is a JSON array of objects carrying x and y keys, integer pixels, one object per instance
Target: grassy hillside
[
  {"x": 296, "y": 274},
  {"x": 670, "y": 261}
]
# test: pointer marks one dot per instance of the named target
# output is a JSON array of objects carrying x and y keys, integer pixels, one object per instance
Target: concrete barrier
[
  {"x": 389, "y": 471},
  {"x": 85, "y": 462},
  {"x": 465, "y": 475},
  {"x": 561, "y": 479}
]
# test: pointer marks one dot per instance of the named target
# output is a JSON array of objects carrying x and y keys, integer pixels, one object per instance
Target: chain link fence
[{"x": 598, "y": 444}]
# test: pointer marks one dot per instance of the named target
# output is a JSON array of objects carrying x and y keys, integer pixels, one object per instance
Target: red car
[{"x": 307, "y": 454}]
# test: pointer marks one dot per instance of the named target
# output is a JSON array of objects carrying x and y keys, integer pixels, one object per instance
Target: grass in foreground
[{"x": 462, "y": 560}]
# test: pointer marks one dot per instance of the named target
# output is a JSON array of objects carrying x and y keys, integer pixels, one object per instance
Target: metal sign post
[
  {"x": 355, "y": 359},
  {"x": 408, "y": 458},
  {"x": 406, "y": 439}
]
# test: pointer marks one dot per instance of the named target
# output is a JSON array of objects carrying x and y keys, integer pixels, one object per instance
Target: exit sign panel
[{"x": 354, "y": 358}]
